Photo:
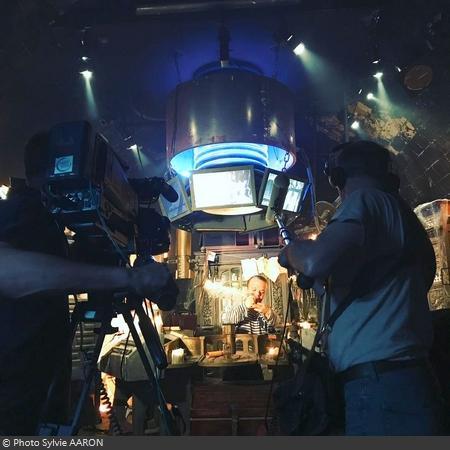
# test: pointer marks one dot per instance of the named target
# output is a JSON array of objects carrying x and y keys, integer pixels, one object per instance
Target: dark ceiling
[{"x": 137, "y": 59}]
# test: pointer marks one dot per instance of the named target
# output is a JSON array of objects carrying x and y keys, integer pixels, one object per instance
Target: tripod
[{"x": 102, "y": 310}]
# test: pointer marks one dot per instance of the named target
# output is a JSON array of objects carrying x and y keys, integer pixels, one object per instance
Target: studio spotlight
[
  {"x": 285, "y": 37},
  {"x": 133, "y": 147},
  {"x": 299, "y": 49},
  {"x": 378, "y": 75},
  {"x": 4, "y": 192},
  {"x": 370, "y": 96},
  {"x": 87, "y": 74},
  {"x": 355, "y": 125}
]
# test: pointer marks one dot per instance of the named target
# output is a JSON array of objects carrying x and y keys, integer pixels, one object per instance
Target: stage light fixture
[
  {"x": 299, "y": 49},
  {"x": 209, "y": 131},
  {"x": 360, "y": 91},
  {"x": 376, "y": 61},
  {"x": 85, "y": 58},
  {"x": 87, "y": 74},
  {"x": 355, "y": 125},
  {"x": 398, "y": 69},
  {"x": 133, "y": 147},
  {"x": 370, "y": 96},
  {"x": 378, "y": 75}
]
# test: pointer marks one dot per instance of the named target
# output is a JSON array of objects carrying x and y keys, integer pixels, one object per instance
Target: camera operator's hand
[
  {"x": 287, "y": 259},
  {"x": 148, "y": 279}
]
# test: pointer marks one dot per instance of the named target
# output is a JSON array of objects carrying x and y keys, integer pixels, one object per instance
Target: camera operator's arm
[
  {"x": 25, "y": 273},
  {"x": 316, "y": 259}
]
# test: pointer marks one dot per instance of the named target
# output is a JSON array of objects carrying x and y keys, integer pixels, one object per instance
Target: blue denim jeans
[{"x": 401, "y": 402}]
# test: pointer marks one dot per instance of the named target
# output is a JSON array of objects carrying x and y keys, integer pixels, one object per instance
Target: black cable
[
  {"x": 269, "y": 397},
  {"x": 122, "y": 358},
  {"x": 113, "y": 421}
]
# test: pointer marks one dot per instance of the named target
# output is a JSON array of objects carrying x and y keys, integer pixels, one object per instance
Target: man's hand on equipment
[
  {"x": 147, "y": 280},
  {"x": 283, "y": 257}
]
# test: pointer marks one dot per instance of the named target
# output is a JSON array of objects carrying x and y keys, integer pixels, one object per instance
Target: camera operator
[
  {"x": 375, "y": 252},
  {"x": 35, "y": 279}
]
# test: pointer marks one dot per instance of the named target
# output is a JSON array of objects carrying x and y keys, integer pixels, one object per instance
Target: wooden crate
[{"x": 228, "y": 409}]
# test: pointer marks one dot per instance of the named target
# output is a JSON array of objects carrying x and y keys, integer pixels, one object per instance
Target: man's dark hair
[
  {"x": 362, "y": 158},
  {"x": 36, "y": 154},
  {"x": 259, "y": 277}
]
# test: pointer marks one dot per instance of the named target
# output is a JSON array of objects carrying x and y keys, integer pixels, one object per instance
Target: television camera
[{"x": 89, "y": 193}]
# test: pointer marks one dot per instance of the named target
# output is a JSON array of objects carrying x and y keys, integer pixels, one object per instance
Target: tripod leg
[
  {"x": 72, "y": 429},
  {"x": 168, "y": 424},
  {"x": 46, "y": 429},
  {"x": 105, "y": 327}
]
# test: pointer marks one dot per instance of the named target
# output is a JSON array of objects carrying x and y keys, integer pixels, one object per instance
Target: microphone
[
  {"x": 168, "y": 192},
  {"x": 277, "y": 197},
  {"x": 151, "y": 188}
]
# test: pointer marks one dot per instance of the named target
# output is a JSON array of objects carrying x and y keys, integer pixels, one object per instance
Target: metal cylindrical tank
[{"x": 230, "y": 117}]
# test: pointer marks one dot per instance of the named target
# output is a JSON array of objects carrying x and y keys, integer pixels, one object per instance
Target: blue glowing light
[
  {"x": 215, "y": 155},
  {"x": 230, "y": 154}
]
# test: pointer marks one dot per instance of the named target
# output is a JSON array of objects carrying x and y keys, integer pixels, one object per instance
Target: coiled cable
[{"x": 113, "y": 421}]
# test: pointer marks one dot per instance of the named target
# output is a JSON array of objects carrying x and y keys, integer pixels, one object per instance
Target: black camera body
[{"x": 88, "y": 192}]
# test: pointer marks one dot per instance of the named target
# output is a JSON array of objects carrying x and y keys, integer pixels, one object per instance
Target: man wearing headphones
[{"x": 375, "y": 252}]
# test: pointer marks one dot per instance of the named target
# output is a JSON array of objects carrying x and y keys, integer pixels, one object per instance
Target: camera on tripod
[{"x": 88, "y": 192}]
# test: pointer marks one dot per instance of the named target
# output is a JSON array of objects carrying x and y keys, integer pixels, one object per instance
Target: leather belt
[{"x": 374, "y": 368}]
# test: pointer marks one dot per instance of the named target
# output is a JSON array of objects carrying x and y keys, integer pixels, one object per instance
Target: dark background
[{"x": 138, "y": 59}]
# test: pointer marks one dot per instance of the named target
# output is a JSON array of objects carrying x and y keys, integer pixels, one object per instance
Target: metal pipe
[
  {"x": 192, "y": 7},
  {"x": 184, "y": 245}
]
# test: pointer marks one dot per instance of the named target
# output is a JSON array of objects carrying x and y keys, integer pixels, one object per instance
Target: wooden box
[{"x": 229, "y": 409}]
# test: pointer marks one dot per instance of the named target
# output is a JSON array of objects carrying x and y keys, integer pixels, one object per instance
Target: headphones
[{"x": 337, "y": 175}]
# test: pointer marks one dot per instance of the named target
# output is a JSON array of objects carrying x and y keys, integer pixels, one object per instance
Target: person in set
[{"x": 252, "y": 316}]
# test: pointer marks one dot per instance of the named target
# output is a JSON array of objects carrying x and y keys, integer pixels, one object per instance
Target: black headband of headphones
[{"x": 360, "y": 158}]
